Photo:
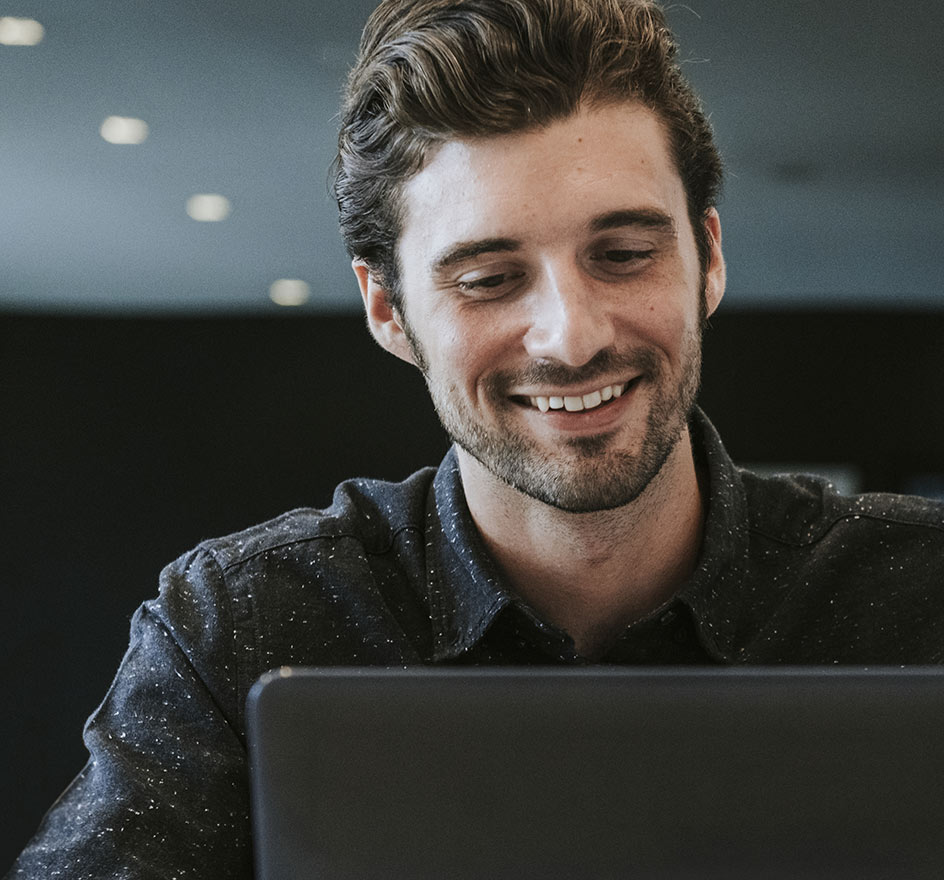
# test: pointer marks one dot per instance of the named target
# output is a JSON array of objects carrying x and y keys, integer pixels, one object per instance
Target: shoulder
[
  {"x": 227, "y": 576},
  {"x": 274, "y": 593},
  {"x": 369, "y": 512},
  {"x": 800, "y": 509},
  {"x": 842, "y": 578}
]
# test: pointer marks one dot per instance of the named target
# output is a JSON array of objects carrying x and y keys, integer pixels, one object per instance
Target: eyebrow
[
  {"x": 468, "y": 250},
  {"x": 649, "y": 218}
]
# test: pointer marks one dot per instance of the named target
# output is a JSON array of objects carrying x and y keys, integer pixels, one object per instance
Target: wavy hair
[{"x": 432, "y": 70}]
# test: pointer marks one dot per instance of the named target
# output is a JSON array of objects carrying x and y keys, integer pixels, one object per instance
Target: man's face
[{"x": 553, "y": 298}]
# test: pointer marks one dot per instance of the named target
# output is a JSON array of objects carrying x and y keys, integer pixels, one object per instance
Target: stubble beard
[{"x": 588, "y": 475}]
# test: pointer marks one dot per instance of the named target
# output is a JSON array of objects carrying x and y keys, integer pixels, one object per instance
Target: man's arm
[{"x": 164, "y": 794}]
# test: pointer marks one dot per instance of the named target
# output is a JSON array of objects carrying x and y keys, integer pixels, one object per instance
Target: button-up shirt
[{"x": 395, "y": 574}]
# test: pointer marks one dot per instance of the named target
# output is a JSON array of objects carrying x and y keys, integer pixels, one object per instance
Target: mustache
[{"x": 604, "y": 363}]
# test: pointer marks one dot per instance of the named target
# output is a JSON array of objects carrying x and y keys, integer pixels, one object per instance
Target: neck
[{"x": 593, "y": 574}]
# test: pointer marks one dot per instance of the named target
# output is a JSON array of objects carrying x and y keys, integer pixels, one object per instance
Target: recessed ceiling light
[
  {"x": 20, "y": 31},
  {"x": 124, "y": 130},
  {"x": 289, "y": 292},
  {"x": 208, "y": 207}
]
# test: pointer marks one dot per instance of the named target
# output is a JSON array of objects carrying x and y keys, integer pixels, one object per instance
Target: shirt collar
[
  {"x": 713, "y": 591},
  {"x": 466, "y": 591}
]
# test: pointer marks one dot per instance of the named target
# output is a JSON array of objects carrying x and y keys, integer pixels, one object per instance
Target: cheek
[
  {"x": 477, "y": 338},
  {"x": 674, "y": 302},
  {"x": 454, "y": 360},
  {"x": 664, "y": 315}
]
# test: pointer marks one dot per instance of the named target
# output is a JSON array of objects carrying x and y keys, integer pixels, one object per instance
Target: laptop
[{"x": 592, "y": 774}]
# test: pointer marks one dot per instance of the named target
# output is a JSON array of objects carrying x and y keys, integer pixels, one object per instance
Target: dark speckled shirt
[{"x": 395, "y": 574}]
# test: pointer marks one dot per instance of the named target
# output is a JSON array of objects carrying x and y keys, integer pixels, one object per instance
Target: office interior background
[{"x": 181, "y": 349}]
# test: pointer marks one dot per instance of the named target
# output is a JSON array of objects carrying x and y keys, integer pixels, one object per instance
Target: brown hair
[{"x": 432, "y": 70}]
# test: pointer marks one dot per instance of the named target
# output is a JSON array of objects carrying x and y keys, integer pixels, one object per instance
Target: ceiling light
[
  {"x": 20, "y": 31},
  {"x": 289, "y": 292},
  {"x": 124, "y": 130},
  {"x": 208, "y": 207}
]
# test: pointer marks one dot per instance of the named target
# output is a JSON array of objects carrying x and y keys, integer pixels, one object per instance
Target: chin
[{"x": 607, "y": 482}]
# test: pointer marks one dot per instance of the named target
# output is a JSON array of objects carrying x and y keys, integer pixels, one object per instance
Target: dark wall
[
  {"x": 860, "y": 388},
  {"x": 124, "y": 442}
]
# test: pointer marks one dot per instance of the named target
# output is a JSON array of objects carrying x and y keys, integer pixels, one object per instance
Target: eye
[
  {"x": 488, "y": 286},
  {"x": 487, "y": 281},
  {"x": 622, "y": 255},
  {"x": 610, "y": 260}
]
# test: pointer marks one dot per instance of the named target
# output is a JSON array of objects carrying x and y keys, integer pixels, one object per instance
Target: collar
[
  {"x": 713, "y": 591},
  {"x": 466, "y": 591}
]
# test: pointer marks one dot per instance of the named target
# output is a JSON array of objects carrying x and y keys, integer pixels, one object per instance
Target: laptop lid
[{"x": 597, "y": 773}]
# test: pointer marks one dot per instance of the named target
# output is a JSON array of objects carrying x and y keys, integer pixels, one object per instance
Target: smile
[{"x": 579, "y": 403}]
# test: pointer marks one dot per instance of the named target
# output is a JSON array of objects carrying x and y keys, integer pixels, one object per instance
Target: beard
[{"x": 584, "y": 474}]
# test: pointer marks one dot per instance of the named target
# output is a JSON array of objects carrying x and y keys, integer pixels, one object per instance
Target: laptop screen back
[{"x": 493, "y": 773}]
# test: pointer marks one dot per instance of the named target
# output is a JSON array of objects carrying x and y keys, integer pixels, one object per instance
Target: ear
[
  {"x": 715, "y": 275},
  {"x": 386, "y": 325}
]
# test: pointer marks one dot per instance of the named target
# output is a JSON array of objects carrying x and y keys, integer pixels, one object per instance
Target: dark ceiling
[{"x": 829, "y": 114}]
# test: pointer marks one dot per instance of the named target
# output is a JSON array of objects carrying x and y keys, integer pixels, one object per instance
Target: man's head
[
  {"x": 430, "y": 71},
  {"x": 527, "y": 188}
]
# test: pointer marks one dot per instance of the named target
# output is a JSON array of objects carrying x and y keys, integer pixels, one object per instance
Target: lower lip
[{"x": 587, "y": 421}]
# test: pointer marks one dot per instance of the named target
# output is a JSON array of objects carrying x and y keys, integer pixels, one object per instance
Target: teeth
[{"x": 577, "y": 404}]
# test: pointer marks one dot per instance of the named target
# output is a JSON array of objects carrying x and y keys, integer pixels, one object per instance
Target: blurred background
[{"x": 181, "y": 350}]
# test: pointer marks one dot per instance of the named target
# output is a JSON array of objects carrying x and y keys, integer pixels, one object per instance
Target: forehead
[{"x": 536, "y": 185}]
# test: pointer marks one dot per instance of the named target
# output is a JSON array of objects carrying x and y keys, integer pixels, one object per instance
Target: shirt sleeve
[{"x": 165, "y": 791}]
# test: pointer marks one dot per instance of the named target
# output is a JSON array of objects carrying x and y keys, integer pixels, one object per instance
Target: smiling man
[
  {"x": 527, "y": 190},
  {"x": 554, "y": 300}
]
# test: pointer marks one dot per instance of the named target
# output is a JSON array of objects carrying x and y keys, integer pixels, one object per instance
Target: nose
[{"x": 570, "y": 321}]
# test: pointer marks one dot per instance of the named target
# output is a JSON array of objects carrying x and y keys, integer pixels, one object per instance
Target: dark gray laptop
[{"x": 454, "y": 774}]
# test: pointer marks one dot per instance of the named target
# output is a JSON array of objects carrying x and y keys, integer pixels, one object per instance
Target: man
[{"x": 527, "y": 189}]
